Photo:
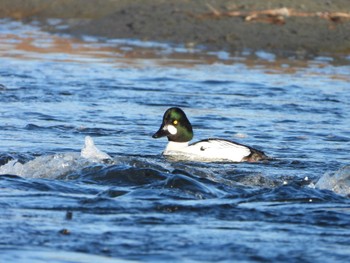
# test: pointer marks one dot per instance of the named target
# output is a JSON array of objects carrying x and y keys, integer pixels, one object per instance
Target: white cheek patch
[{"x": 171, "y": 129}]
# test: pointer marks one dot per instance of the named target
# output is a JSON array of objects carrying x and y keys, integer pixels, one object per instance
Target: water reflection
[{"x": 28, "y": 42}]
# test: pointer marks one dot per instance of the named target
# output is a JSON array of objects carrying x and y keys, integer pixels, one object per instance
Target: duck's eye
[{"x": 175, "y": 122}]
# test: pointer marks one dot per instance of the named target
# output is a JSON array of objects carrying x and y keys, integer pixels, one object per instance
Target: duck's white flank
[{"x": 212, "y": 149}]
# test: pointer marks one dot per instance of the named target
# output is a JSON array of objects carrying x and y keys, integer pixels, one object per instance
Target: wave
[
  {"x": 338, "y": 182},
  {"x": 94, "y": 166},
  {"x": 58, "y": 165}
]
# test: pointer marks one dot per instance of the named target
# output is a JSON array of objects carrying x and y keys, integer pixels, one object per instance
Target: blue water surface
[{"x": 139, "y": 206}]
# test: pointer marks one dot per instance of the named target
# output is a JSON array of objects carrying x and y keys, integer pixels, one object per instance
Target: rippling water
[{"x": 58, "y": 206}]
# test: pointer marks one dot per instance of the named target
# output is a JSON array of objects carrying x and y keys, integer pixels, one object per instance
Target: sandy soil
[{"x": 299, "y": 27}]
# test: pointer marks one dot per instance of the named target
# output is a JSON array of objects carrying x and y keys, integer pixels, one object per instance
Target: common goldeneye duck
[{"x": 178, "y": 129}]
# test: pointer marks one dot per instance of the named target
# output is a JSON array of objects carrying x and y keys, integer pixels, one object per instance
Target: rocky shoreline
[{"x": 310, "y": 28}]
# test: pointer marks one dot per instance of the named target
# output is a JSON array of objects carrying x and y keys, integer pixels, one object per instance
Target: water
[{"x": 58, "y": 206}]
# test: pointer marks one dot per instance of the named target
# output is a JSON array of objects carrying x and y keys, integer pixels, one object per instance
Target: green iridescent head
[{"x": 175, "y": 126}]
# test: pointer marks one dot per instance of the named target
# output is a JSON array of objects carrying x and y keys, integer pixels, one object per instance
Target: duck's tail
[{"x": 256, "y": 156}]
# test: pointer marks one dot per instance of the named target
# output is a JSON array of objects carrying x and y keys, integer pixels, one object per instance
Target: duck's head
[{"x": 175, "y": 126}]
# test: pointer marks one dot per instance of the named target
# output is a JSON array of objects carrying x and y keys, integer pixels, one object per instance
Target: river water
[{"x": 58, "y": 206}]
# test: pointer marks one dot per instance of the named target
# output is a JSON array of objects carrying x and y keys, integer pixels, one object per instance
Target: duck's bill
[{"x": 162, "y": 132}]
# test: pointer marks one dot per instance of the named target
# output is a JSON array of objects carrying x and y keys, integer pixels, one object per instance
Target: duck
[{"x": 178, "y": 129}]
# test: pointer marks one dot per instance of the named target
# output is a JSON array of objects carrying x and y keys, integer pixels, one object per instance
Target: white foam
[
  {"x": 91, "y": 152},
  {"x": 338, "y": 182},
  {"x": 49, "y": 166},
  {"x": 57, "y": 165}
]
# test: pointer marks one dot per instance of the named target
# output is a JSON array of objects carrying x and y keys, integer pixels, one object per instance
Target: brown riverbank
[{"x": 302, "y": 27}]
